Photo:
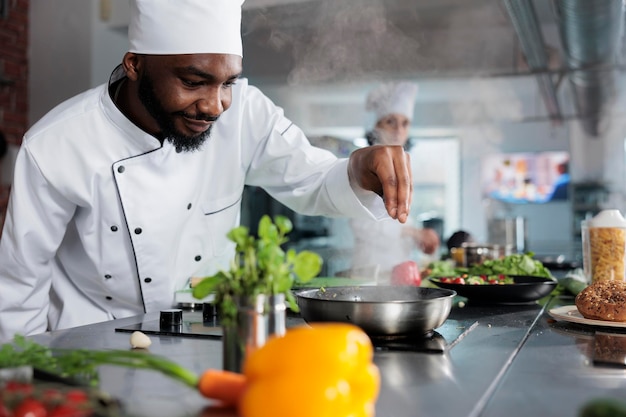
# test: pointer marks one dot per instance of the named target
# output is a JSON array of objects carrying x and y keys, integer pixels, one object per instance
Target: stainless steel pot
[
  {"x": 379, "y": 310},
  {"x": 476, "y": 254},
  {"x": 510, "y": 233}
]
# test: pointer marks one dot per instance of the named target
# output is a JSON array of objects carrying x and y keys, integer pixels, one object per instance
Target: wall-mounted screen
[{"x": 526, "y": 177}]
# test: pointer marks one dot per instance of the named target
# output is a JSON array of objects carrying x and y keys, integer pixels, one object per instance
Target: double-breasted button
[
  {"x": 198, "y": 258},
  {"x": 107, "y": 276},
  {"x": 108, "y": 297},
  {"x": 121, "y": 169},
  {"x": 189, "y": 206},
  {"x": 114, "y": 228},
  {"x": 147, "y": 280},
  {"x": 138, "y": 230}
]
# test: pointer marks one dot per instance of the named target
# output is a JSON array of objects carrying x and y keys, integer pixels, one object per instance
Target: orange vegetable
[
  {"x": 317, "y": 371},
  {"x": 224, "y": 386}
]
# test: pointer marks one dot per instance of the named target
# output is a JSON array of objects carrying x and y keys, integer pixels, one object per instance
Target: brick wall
[{"x": 13, "y": 79}]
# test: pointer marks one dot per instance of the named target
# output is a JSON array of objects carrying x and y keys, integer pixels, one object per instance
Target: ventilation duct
[
  {"x": 524, "y": 20},
  {"x": 591, "y": 33}
]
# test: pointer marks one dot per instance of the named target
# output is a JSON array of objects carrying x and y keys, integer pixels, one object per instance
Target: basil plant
[{"x": 260, "y": 266}]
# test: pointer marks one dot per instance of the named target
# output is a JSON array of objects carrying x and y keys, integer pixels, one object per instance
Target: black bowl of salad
[
  {"x": 517, "y": 278},
  {"x": 498, "y": 289}
]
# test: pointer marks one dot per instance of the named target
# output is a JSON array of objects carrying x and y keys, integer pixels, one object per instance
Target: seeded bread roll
[{"x": 603, "y": 300}]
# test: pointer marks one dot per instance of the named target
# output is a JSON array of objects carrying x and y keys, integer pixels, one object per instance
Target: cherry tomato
[
  {"x": 16, "y": 387},
  {"x": 4, "y": 412},
  {"x": 69, "y": 410},
  {"x": 76, "y": 396},
  {"x": 459, "y": 280},
  {"x": 51, "y": 396},
  {"x": 30, "y": 407}
]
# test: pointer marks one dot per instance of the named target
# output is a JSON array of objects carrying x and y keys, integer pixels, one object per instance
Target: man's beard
[{"x": 165, "y": 120}]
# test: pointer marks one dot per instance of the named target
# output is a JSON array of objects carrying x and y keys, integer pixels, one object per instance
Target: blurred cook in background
[{"x": 381, "y": 245}]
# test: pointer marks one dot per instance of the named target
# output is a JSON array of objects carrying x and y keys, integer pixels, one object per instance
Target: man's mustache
[{"x": 201, "y": 117}]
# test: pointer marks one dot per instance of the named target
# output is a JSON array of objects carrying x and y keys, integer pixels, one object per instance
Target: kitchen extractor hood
[
  {"x": 524, "y": 20},
  {"x": 330, "y": 41},
  {"x": 591, "y": 34}
]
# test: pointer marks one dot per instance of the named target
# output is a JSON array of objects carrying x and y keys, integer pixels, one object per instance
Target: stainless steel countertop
[{"x": 514, "y": 361}]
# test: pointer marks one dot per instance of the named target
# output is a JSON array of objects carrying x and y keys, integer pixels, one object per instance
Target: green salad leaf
[
  {"x": 444, "y": 268},
  {"x": 515, "y": 264}
]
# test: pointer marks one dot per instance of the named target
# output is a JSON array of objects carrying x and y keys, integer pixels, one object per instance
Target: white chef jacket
[
  {"x": 106, "y": 222},
  {"x": 378, "y": 247}
]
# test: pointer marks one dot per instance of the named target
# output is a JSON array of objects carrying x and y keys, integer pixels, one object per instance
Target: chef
[
  {"x": 381, "y": 245},
  {"x": 123, "y": 192}
]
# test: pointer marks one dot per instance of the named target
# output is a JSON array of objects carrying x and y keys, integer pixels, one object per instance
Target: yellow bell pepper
[{"x": 325, "y": 370}]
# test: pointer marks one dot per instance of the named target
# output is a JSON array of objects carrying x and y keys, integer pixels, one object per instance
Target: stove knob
[{"x": 171, "y": 318}]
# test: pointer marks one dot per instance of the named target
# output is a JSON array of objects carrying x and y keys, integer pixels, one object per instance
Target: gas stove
[{"x": 206, "y": 324}]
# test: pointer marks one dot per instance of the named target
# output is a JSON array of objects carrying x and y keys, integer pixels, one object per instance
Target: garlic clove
[{"x": 139, "y": 340}]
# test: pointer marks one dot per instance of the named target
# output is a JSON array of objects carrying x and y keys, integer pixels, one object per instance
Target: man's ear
[{"x": 131, "y": 64}]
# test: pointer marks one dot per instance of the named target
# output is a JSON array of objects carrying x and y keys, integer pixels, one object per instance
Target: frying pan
[{"x": 379, "y": 310}]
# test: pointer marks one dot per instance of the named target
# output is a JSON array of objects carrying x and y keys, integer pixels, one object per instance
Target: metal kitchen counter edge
[
  {"x": 554, "y": 373},
  {"x": 460, "y": 382}
]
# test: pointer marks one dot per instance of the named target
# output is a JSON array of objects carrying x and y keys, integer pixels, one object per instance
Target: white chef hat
[
  {"x": 392, "y": 97},
  {"x": 173, "y": 27}
]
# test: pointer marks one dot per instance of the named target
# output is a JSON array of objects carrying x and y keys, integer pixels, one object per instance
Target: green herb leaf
[
  {"x": 307, "y": 265},
  {"x": 267, "y": 230},
  {"x": 83, "y": 364},
  {"x": 239, "y": 235},
  {"x": 284, "y": 224},
  {"x": 208, "y": 285},
  {"x": 291, "y": 301}
]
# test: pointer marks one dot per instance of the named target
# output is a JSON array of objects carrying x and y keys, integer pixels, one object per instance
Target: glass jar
[{"x": 604, "y": 246}]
